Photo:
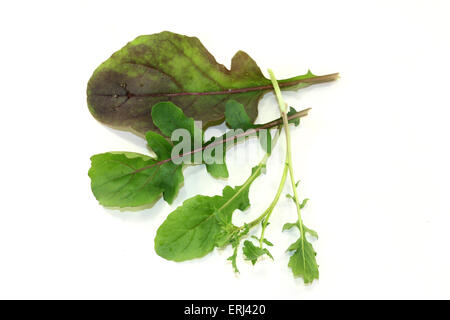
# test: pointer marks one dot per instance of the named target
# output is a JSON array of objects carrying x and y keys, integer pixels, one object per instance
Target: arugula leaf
[
  {"x": 303, "y": 261},
  {"x": 170, "y": 67},
  {"x": 202, "y": 223},
  {"x": 236, "y": 117},
  {"x": 168, "y": 118},
  {"x": 253, "y": 252},
  {"x": 159, "y": 145},
  {"x": 117, "y": 182},
  {"x": 190, "y": 231}
]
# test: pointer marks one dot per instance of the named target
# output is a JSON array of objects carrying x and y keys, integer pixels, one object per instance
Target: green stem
[
  {"x": 289, "y": 154},
  {"x": 269, "y": 210}
]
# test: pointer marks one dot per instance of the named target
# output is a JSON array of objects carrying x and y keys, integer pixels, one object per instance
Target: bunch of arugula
[{"x": 153, "y": 86}]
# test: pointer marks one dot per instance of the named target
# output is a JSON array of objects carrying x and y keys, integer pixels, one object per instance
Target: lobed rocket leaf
[
  {"x": 252, "y": 252},
  {"x": 303, "y": 261},
  {"x": 171, "y": 67}
]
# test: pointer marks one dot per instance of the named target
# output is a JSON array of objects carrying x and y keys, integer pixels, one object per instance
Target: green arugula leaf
[
  {"x": 253, "y": 252},
  {"x": 160, "y": 146},
  {"x": 236, "y": 117},
  {"x": 303, "y": 261},
  {"x": 202, "y": 223},
  {"x": 190, "y": 231},
  {"x": 171, "y": 67},
  {"x": 117, "y": 182},
  {"x": 168, "y": 118}
]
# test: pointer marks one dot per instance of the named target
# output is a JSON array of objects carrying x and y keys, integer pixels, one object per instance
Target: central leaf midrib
[{"x": 206, "y": 93}]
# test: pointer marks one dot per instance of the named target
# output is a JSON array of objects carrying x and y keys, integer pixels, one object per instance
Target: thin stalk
[
  {"x": 289, "y": 157},
  {"x": 283, "y": 83},
  {"x": 269, "y": 210}
]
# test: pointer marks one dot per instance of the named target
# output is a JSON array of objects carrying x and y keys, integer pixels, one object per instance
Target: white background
[{"x": 373, "y": 155}]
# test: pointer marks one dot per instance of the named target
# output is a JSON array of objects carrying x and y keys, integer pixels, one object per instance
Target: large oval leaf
[{"x": 172, "y": 67}]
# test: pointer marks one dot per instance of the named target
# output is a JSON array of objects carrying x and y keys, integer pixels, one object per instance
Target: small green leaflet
[
  {"x": 270, "y": 244},
  {"x": 290, "y": 225},
  {"x": 202, "y": 223},
  {"x": 252, "y": 253},
  {"x": 303, "y": 260}
]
